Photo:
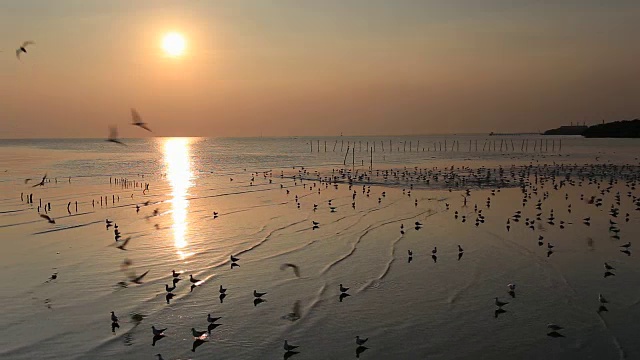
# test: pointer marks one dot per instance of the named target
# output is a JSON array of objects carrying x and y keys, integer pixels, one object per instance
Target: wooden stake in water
[
  {"x": 334, "y": 146},
  {"x": 344, "y": 162}
]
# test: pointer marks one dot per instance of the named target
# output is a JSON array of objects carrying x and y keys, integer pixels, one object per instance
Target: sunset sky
[{"x": 302, "y": 67}]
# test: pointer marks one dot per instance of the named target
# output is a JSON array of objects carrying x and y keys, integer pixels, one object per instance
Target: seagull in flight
[
  {"x": 50, "y": 220},
  {"x": 23, "y": 48},
  {"x": 137, "y": 120},
  {"x": 138, "y": 279},
  {"x": 296, "y": 269},
  {"x": 124, "y": 243},
  {"x": 41, "y": 183},
  {"x": 113, "y": 136}
]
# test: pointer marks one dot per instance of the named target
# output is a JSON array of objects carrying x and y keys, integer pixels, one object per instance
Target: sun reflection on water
[{"x": 178, "y": 168}]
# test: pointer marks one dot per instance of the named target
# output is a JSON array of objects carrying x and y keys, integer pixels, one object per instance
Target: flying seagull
[
  {"x": 138, "y": 280},
  {"x": 137, "y": 120},
  {"x": 41, "y": 183},
  {"x": 23, "y": 48},
  {"x": 50, "y": 220},
  {"x": 296, "y": 269},
  {"x": 113, "y": 136}
]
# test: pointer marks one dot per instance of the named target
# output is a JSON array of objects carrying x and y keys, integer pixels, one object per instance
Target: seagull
[
  {"x": 50, "y": 220},
  {"x": 197, "y": 334},
  {"x": 113, "y": 136},
  {"x": 512, "y": 287},
  {"x": 213, "y": 319},
  {"x": 138, "y": 280},
  {"x": 608, "y": 267},
  {"x": 137, "y": 120},
  {"x": 192, "y": 279},
  {"x": 288, "y": 347},
  {"x": 169, "y": 289},
  {"x": 258, "y": 294},
  {"x": 222, "y": 290},
  {"x": 169, "y": 296},
  {"x": 361, "y": 341},
  {"x": 626, "y": 246},
  {"x": 175, "y": 274},
  {"x": 23, "y": 48},
  {"x": 554, "y": 327},
  {"x": 158, "y": 332},
  {"x": 114, "y": 318},
  {"x": 234, "y": 259},
  {"x": 435, "y": 250},
  {"x": 124, "y": 243},
  {"x": 460, "y": 248},
  {"x": 602, "y": 299},
  {"x": 343, "y": 289},
  {"x": 296, "y": 269},
  {"x": 41, "y": 183},
  {"x": 500, "y": 303}
]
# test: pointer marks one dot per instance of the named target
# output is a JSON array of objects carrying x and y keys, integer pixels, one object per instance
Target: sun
[{"x": 173, "y": 44}]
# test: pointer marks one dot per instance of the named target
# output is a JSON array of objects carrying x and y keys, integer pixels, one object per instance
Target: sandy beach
[{"x": 438, "y": 307}]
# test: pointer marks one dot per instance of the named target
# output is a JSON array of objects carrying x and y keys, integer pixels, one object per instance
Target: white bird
[
  {"x": 158, "y": 332},
  {"x": 554, "y": 327},
  {"x": 512, "y": 287},
  {"x": 602, "y": 299},
  {"x": 361, "y": 342},
  {"x": 23, "y": 48},
  {"x": 137, "y": 120},
  {"x": 288, "y": 347},
  {"x": 258, "y": 294},
  {"x": 500, "y": 303}
]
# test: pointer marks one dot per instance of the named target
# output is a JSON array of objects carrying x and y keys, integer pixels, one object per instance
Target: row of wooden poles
[{"x": 488, "y": 145}]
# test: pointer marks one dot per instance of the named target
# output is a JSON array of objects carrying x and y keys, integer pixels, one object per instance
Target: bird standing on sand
[
  {"x": 343, "y": 289},
  {"x": 157, "y": 332},
  {"x": 258, "y": 294},
  {"x": 23, "y": 48},
  {"x": 288, "y": 347},
  {"x": 360, "y": 341}
]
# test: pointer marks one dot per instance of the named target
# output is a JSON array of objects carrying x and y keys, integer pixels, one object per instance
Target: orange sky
[{"x": 296, "y": 67}]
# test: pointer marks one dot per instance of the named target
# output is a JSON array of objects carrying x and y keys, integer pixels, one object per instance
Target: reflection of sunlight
[{"x": 178, "y": 164}]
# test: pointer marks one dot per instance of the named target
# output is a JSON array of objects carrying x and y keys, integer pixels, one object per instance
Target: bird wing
[
  {"x": 44, "y": 177},
  {"x": 144, "y": 126},
  {"x": 139, "y": 278},
  {"x": 135, "y": 117},
  {"x": 28, "y": 42}
]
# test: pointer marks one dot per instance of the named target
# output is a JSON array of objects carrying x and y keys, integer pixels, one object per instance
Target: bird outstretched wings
[{"x": 136, "y": 120}]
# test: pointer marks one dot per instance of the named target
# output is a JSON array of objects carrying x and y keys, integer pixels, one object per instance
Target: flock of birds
[{"x": 533, "y": 181}]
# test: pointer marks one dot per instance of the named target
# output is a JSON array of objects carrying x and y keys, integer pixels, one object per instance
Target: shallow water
[{"x": 408, "y": 310}]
